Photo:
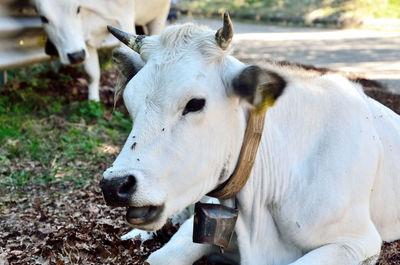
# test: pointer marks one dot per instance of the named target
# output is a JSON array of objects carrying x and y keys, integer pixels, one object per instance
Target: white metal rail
[{"x": 22, "y": 38}]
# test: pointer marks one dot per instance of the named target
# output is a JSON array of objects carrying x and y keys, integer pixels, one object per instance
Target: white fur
[
  {"x": 138, "y": 234},
  {"x": 71, "y": 32},
  {"x": 324, "y": 187}
]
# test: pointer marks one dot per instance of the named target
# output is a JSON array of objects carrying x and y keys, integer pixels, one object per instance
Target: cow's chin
[{"x": 148, "y": 218}]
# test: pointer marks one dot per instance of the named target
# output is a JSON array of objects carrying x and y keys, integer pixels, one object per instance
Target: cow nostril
[
  {"x": 127, "y": 186},
  {"x": 117, "y": 191}
]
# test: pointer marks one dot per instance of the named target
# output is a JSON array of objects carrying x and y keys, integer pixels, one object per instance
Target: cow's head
[
  {"x": 62, "y": 21},
  {"x": 189, "y": 101}
]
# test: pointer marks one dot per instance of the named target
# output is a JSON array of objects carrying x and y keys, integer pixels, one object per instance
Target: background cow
[
  {"x": 324, "y": 186},
  {"x": 77, "y": 28}
]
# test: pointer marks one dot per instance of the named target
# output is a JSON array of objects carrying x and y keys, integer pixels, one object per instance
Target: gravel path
[{"x": 371, "y": 54}]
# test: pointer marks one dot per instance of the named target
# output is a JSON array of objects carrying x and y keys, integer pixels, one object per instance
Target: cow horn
[
  {"x": 132, "y": 41},
  {"x": 224, "y": 35}
]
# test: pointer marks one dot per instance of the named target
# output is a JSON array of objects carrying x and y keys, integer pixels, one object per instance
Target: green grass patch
[{"x": 46, "y": 135}]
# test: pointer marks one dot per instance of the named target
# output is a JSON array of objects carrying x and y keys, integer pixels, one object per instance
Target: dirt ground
[{"x": 56, "y": 224}]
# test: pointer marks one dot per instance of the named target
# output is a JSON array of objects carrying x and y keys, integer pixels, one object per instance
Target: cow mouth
[{"x": 142, "y": 215}]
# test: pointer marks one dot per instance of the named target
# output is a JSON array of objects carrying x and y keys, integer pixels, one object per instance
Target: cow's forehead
[
  {"x": 184, "y": 62},
  {"x": 171, "y": 84},
  {"x": 179, "y": 41}
]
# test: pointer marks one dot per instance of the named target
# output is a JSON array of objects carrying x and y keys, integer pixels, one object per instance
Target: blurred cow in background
[{"x": 76, "y": 28}]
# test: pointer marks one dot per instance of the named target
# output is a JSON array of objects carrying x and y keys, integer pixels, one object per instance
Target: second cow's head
[{"x": 62, "y": 21}]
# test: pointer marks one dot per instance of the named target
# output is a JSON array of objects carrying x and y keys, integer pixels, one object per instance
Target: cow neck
[{"x": 248, "y": 152}]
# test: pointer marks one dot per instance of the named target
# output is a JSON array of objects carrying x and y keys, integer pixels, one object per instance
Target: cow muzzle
[
  {"x": 118, "y": 192},
  {"x": 76, "y": 57}
]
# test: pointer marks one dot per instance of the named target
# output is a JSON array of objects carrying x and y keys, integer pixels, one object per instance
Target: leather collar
[{"x": 248, "y": 153}]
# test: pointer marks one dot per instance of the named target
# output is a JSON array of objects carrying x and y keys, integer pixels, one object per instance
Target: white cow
[
  {"x": 77, "y": 27},
  {"x": 324, "y": 189}
]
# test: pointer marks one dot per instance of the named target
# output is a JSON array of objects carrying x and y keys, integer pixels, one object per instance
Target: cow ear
[
  {"x": 259, "y": 87},
  {"x": 128, "y": 62}
]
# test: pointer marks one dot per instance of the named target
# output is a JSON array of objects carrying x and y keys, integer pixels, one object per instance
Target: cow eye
[
  {"x": 193, "y": 105},
  {"x": 78, "y": 10},
  {"x": 44, "y": 19}
]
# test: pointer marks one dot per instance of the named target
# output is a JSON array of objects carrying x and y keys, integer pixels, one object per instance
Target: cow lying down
[{"x": 324, "y": 185}]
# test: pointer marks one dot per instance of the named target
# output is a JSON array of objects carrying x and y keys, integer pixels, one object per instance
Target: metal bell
[{"x": 214, "y": 224}]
